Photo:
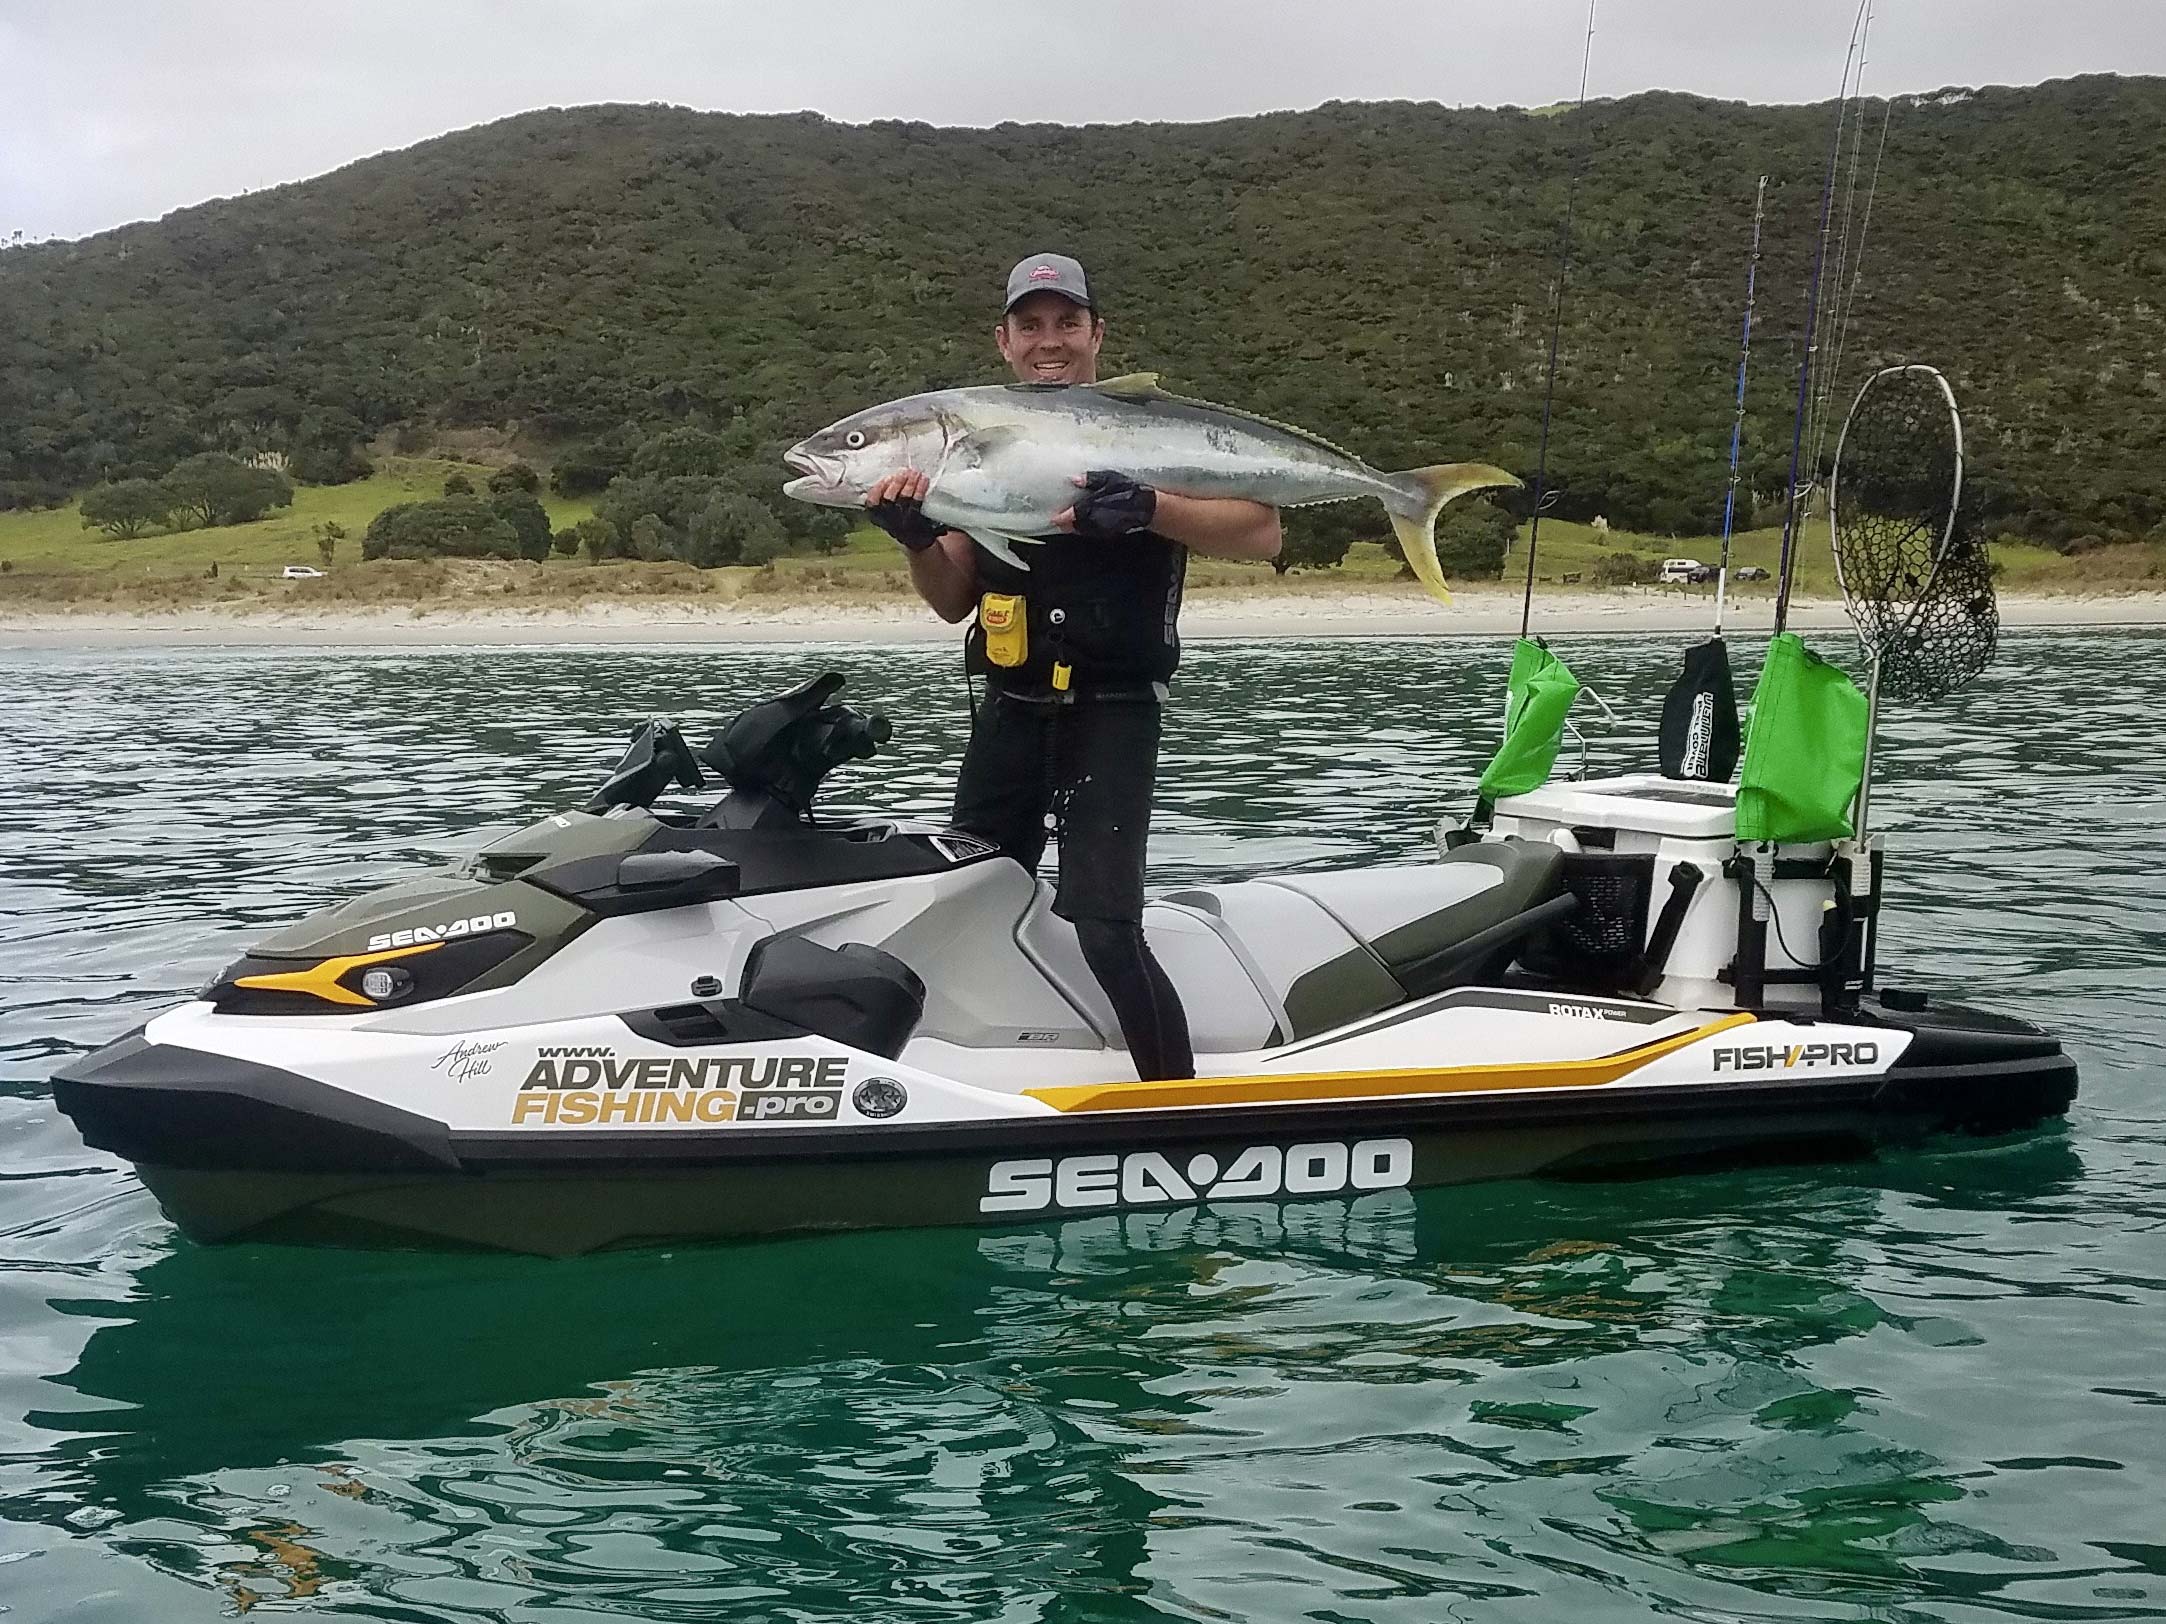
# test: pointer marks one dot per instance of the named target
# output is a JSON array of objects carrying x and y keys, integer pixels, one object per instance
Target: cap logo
[{"x": 1044, "y": 273}]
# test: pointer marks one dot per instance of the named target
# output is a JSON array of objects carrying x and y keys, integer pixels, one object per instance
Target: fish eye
[{"x": 854, "y": 439}]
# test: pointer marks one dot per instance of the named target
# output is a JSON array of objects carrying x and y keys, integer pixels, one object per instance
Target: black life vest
[{"x": 1107, "y": 609}]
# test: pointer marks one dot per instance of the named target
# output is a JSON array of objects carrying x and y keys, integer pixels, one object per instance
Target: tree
[
  {"x": 734, "y": 529},
  {"x": 329, "y": 533},
  {"x": 828, "y": 530},
  {"x": 583, "y": 470},
  {"x": 713, "y": 538},
  {"x": 457, "y": 484},
  {"x": 597, "y": 537},
  {"x": 456, "y": 527},
  {"x": 681, "y": 452},
  {"x": 515, "y": 476},
  {"x": 126, "y": 508},
  {"x": 328, "y": 464},
  {"x": 764, "y": 539},
  {"x": 212, "y": 488},
  {"x": 1316, "y": 538},
  {"x": 565, "y": 542},
  {"x": 529, "y": 521},
  {"x": 649, "y": 538}
]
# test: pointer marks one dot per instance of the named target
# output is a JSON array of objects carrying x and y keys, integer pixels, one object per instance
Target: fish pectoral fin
[
  {"x": 1003, "y": 546},
  {"x": 973, "y": 448},
  {"x": 1131, "y": 386}
]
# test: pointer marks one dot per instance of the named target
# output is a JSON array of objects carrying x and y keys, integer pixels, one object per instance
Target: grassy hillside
[
  {"x": 1378, "y": 273},
  {"x": 54, "y": 540}
]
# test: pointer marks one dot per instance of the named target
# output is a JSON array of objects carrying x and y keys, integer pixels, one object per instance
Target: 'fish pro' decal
[
  {"x": 1146, "y": 1178},
  {"x": 1797, "y": 1057}
]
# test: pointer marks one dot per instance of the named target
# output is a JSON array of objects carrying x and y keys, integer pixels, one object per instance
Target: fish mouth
[{"x": 821, "y": 482}]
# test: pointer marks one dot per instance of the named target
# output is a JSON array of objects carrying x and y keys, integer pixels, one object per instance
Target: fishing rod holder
[{"x": 1847, "y": 938}]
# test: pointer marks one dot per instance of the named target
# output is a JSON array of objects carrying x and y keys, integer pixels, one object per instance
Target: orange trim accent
[
  {"x": 321, "y": 980},
  {"x": 1269, "y": 1088}
]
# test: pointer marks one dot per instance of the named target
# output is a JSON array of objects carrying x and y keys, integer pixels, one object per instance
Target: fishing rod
[
  {"x": 1847, "y": 296},
  {"x": 1737, "y": 421},
  {"x": 1540, "y": 690},
  {"x": 1788, "y": 563},
  {"x": 1556, "y": 328},
  {"x": 1829, "y": 329}
]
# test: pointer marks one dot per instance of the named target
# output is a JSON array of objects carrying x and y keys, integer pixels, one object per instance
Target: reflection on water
[{"x": 1924, "y": 1388}]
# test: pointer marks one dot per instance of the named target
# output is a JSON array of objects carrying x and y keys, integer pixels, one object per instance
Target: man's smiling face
[{"x": 1049, "y": 338}]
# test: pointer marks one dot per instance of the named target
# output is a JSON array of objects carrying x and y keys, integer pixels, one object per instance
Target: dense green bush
[
  {"x": 1625, "y": 569},
  {"x": 584, "y": 470},
  {"x": 515, "y": 476},
  {"x": 528, "y": 519},
  {"x": 456, "y": 527},
  {"x": 329, "y": 465}
]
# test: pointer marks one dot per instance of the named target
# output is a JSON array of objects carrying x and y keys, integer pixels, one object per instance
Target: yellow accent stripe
[
  {"x": 1268, "y": 1088},
  {"x": 321, "y": 980}
]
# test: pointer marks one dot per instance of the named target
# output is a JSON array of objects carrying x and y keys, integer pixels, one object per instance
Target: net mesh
[{"x": 1917, "y": 583}]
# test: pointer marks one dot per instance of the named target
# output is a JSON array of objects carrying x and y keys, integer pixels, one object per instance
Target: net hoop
[{"x": 1853, "y": 598}]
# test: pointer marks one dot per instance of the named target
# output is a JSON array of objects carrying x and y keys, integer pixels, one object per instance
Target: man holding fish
[{"x": 1108, "y": 487}]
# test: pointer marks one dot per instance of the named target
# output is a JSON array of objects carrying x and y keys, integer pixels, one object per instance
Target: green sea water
[{"x": 1931, "y": 1387}]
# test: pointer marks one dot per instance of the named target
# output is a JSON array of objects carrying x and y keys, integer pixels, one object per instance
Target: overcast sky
[{"x": 119, "y": 110}]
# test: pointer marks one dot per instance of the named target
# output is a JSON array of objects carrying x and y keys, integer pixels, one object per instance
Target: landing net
[{"x": 1916, "y": 578}]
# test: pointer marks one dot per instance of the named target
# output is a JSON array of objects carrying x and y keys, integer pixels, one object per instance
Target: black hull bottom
[{"x": 1031, "y": 1171}]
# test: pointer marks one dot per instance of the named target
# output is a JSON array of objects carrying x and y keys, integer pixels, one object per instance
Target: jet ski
[{"x": 666, "y": 1016}]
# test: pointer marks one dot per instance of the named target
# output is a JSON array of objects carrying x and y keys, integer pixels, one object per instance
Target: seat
[
  {"x": 1413, "y": 914},
  {"x": 1263, "y": 962}
]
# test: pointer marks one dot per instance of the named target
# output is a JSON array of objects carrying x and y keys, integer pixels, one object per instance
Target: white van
[{"x": 1679, "y": 570}]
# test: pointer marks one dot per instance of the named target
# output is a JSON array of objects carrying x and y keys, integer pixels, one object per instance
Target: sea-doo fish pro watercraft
[{"x": 641, "y": 1021}]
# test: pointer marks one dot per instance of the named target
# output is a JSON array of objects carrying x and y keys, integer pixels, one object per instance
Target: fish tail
[{"x": 1420, "y": 496}]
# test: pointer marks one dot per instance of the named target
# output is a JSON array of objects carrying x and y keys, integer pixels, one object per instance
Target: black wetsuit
[{"x": 1087, "y": 754}]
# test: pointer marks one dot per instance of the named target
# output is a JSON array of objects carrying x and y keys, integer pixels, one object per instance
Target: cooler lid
[{"x": 1647, "y": 802}]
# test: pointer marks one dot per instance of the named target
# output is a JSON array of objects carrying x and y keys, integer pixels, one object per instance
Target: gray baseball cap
[{"x": 1047, "y": 273}]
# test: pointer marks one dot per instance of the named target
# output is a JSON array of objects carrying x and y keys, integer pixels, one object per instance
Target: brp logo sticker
[{"x": 879, "y": 1097}]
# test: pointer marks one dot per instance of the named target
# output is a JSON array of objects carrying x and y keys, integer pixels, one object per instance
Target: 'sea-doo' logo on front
[
  {"x": 1799, "y": 1057},
  {"x": 1145, "y": 1178},
  {"x": 575, "y": 1087},
  {"x": 450, "y": 931}
]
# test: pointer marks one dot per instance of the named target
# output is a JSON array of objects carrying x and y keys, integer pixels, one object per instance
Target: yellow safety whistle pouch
[{"x": 1007, "y": 637}]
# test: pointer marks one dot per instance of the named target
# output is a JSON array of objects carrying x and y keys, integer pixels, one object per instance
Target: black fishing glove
[
  {"x": 1111, "y": 505},
  {"x": 904, "y": 519}
]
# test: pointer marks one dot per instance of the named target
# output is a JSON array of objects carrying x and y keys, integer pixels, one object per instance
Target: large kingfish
[{"x": 1002, "y": 460}]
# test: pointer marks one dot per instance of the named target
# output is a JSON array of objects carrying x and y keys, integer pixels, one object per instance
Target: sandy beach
[{"x": 1208, "y": 615}]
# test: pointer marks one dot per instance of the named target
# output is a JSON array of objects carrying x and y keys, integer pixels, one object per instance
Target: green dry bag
[
  {"x": 1538, "y": 693},
  {"x": 1804, "y": 749}
]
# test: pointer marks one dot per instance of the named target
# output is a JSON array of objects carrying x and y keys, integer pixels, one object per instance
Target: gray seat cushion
[{"x": 1412, "y": 913}]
